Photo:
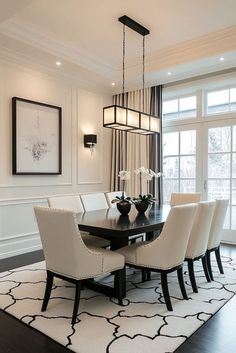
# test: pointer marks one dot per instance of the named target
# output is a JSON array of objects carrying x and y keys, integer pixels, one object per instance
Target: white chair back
[
  {"x": 181, "y": 198},
  {"x": 64, "y": 250},
  {"x": 70, "y": 202},
  {"x": 92, "y": 202},
  {"x": 168, "y": 250},
  {"x": 111, "y": 196},
  {"x": 197, "y": 244},
  {"x": 217, "y": 223}
]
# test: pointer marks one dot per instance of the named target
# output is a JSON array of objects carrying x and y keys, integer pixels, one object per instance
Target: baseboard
[
  {"x": 19, "y": 245},
  {"x": 228, "y": 242}
]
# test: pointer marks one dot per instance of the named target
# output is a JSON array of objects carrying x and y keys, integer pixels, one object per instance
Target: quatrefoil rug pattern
[{"x": 142, "y": 325}]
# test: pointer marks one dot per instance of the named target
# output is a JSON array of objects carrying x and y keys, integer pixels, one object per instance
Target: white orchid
[
  {"x": 147, "y": 175},
  {"x": 156, "y": 175},
  {"x": 140, "y": 170},
  {"x": 124, "y": 175}
]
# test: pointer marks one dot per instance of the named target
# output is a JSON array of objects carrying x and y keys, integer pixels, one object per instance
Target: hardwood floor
[{"x": 217, "y": 335}]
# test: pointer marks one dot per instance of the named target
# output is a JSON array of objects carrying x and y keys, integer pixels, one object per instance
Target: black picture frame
[{"x": 36, "y": 138}]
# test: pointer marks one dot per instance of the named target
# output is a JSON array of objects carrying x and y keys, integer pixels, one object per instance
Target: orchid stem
[{"x": 141, "y": 186}]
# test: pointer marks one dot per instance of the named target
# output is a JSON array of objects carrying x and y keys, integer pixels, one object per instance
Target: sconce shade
[
  {"x": 90, "y": 140},
  {"x": 122, "y": 118}
]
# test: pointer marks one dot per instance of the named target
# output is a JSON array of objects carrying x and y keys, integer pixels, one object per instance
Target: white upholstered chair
[
  {"x": 182, "y": 198},
  {"x": 197, "y": 244},
  {"x": 167, "y": 252},
  {"x": 68, "y": 258},
  {"x": 73, "y": 203},
  {"x": 93, "y": 202},
  {"x": 215, "y": 234},
  {"x": 66, "y": 202},
  {"x": 111, "y": 196}
]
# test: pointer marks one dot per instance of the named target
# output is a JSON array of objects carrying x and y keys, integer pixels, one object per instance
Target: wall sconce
[{"x": 90, "y": 141}]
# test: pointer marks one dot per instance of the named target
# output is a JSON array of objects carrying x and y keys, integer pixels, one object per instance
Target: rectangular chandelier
[{"x": 126, "y": 119}]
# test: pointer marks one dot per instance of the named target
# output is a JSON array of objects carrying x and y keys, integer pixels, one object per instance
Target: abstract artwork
[{"x": 36, "y": 138}]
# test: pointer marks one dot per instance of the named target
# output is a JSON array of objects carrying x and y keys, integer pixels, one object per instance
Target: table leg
[
  {"x": 117, "y": 243},
  {"x": 149, "y": 236}
]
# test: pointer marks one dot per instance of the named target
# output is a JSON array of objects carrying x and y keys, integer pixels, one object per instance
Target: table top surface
[{"x": 111, "y": 222}]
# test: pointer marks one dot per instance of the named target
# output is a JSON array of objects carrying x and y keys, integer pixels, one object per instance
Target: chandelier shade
[
  {"x": 121, "y": 117},
  {"x": 126, "y": 119}
]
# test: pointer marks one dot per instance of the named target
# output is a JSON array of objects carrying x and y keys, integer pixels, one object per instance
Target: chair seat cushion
[
  {"x": 92, "y": 240},
  {"x": 112, "y": 261},
  {"x": 139, "y": 255},
  {"x": 130, "y": 252}
]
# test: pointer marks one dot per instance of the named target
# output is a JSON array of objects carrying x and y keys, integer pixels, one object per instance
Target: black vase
[
  {"x": 142, "y": 206},
  {"x": 123, "y": 207}
]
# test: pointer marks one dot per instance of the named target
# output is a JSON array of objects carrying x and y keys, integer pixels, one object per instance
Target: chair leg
[
  {"x": 76, "y": 303},
  {"x": 181, "y": 283},
  {"x": 192, "y": 276},
  {"x": 218, "y": 259},
  {"x": 165, "y": 291},
  {"x": 120, "y": 285},
  {"x": 208, "y": 257},
  {"x": 47, "y": 290},
  {"x": 205, "y": 268}
]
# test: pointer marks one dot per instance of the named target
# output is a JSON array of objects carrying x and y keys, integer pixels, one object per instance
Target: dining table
[{"x": 118, "y": 229}]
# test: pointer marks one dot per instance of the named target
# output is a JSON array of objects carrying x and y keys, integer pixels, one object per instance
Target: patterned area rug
[{"x": 142, "y": 325}]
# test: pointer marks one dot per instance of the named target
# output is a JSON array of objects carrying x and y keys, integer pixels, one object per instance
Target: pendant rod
[{"x": 123, "y": 90}]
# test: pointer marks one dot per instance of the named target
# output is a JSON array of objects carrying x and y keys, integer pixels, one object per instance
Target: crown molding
[
  {"x": 34, "y": 66},
  {"x": 77, "y": 56},
  {"x": 182, "y": 54},
  {"x": 202, "y": 47},
  {"x": 199, "y": 48}
]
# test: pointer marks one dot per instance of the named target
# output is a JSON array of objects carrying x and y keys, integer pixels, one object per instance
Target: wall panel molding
[
  {"x": 90, "y": 168},
  {"x": 18, "y": 228}
]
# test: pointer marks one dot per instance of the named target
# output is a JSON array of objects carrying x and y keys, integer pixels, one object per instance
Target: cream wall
[{"x": 81, "y": 113}]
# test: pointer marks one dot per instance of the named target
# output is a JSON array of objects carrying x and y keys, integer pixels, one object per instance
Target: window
[
  {"x": 222, "y": 168},
  {"x": 179, "y": 162},
  {"x": 185, "y": 107},
  {"x": 199, "y": 153},
  {"x": 221, "y": 101}
]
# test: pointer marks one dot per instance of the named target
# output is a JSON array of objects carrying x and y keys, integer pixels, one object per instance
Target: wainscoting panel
[{"x": 18, "y": 228}]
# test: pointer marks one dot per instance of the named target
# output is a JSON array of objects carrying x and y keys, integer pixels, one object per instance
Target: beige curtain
[{"x": 130, "y": 151}]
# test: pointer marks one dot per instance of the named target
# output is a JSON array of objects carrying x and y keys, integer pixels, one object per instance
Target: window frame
[
  {"x": 222, "y": 115},
  {"x": 178, "y": 97}
]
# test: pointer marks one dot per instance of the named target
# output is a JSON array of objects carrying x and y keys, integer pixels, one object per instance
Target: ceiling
[{"x": 187, "y": 38}]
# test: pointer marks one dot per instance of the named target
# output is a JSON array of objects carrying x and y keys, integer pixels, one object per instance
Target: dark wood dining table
[{"x": 111, "y": 225}]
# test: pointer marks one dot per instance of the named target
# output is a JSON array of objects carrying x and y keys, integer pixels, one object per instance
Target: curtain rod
[{"x": 199, "y": 77}]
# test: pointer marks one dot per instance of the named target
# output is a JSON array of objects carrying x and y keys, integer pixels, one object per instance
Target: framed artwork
[{"x": 36, "y": 138}]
